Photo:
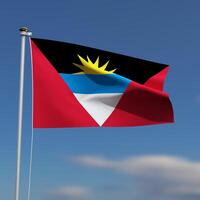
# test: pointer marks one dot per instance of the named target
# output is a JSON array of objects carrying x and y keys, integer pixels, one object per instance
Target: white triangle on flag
[{"x": 99, "y": 106}]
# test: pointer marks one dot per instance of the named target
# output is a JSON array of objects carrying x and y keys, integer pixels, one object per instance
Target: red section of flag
[
  {"x": 141, "y": 105},
  {"x": 157, "y": 81},
  {"x": 54, "y": 105}
]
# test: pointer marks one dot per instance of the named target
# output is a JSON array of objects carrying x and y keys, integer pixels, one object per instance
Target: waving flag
[{"x": 78, "y": 86}]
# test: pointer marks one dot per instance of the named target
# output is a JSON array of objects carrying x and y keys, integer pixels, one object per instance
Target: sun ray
[
  {"x": 89, "y": 61},
  {"x": 96, "y": 64},
  {"x": 83, "y": 61},
  {"x": 89, "y": 67},
  {"x": 104, "y": 66},
  {"x": 79, "y": 73},
  {"x": 79, "y": 66},
  {"x": 112, "y": 71}
]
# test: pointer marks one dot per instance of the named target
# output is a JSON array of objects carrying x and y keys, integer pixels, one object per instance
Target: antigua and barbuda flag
[{"x": 78, "y": 86}]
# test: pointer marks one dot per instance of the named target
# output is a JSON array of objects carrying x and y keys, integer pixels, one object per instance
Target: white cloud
[
  {"x": 72, "y": 192},
  {"x": 165, "y": 175}
]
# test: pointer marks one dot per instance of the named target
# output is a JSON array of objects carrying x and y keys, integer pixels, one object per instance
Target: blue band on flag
[{"x": 95, "y": 83}]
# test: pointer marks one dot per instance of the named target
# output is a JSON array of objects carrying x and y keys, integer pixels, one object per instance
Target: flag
[{"x": 79, "y": 86}]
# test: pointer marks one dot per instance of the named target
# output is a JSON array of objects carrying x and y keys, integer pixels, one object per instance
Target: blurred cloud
[
  {"x": 157, "y": 176},
  {"x": 71, "y": 192}
]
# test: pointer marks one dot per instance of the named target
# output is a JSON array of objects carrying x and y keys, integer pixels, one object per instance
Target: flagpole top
[{"x": 24, "y": 31}]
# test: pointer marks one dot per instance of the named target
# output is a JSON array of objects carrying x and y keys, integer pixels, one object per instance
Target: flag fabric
[{"x": 78, "y": 86}]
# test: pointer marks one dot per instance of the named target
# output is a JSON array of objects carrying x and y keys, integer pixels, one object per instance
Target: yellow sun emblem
[{"x": 89, "y": 67}]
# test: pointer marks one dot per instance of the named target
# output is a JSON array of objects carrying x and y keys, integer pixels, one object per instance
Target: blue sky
[{"x": 154, "y": 162}]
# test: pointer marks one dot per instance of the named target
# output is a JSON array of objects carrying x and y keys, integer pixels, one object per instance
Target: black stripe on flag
[{"x": 62, "y": 55}]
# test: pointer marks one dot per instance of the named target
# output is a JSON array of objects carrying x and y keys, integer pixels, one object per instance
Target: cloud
[
  {"x": 157, "y": 176},
  {"x": 71, "y": 192}
]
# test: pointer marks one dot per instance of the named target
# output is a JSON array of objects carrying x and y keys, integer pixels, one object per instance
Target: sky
[{"x": 151, "y": 162}]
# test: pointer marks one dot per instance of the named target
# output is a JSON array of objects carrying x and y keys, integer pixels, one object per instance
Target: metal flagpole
[{"x": 24, "y": 33}]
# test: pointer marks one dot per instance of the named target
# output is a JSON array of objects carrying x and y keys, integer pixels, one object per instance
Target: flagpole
[{"x": 24, "y": 33}]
